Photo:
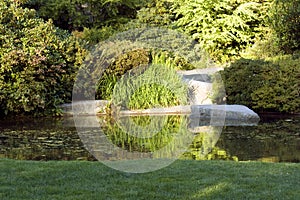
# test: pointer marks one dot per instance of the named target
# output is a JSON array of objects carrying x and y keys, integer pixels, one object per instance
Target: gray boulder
[{"x": 220, "y": 115}]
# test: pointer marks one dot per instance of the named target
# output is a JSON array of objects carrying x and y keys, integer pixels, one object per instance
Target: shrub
[
  {"x": 134, "y": 59},
  {"x": 264, "y": 85},
  {"x": 75, "y": 15},
  {"x": 156, "y": 13},
  {"x": 38, "y": 62}
]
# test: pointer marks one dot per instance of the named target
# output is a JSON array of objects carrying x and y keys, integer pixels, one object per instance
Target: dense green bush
[
  {"x": 38, "y": 62},
  {"x": 223, "y": 27},
  {"x": 264, "y": 85},
  {"x": 75, "y": 15},
  {"x": 156, "y": 13}
]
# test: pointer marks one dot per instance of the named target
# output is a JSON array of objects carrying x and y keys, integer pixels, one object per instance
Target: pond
[{"x": 274, "y": 139}]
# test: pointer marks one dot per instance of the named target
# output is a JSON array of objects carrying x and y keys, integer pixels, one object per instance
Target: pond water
[{"x": 275, "y": 139}]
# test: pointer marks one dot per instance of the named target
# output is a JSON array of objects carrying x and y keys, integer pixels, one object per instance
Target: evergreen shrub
[
  {"x": 264, "y": 85},
  {"x": 38, "y": 62}
]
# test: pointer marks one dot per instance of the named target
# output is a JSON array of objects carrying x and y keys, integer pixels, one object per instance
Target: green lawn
[{"x": 181, "y": 180}]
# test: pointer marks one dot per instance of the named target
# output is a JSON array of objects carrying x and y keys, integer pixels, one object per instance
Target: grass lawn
[{"x": 181, "y": 180}]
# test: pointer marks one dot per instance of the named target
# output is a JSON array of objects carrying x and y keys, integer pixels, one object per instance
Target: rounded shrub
[
  {"x": 38, "y": 62},
  {"x": 264, "y": 85}
]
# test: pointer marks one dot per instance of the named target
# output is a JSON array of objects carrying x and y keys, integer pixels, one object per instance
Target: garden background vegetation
[{"x": 44, "y": 42}]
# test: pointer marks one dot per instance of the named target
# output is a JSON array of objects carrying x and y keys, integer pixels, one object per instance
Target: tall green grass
[
  {"x": 135, "y": 64},
  {"x": 155, "y": 86}
]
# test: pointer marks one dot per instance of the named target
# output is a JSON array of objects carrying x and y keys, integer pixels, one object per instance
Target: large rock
[
  {"x": 199, "y": 92},
  {"x": 199, "y": 84},
  {"x": 220, "y": 115}
]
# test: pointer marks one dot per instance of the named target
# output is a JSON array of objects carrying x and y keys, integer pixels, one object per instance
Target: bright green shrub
[
  {"x": 38, "y": 62},
  {"x": 264, "y": 85},
  {"x": 222, "y": 27}
]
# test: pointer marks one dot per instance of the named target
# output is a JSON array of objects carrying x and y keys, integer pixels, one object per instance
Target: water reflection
[
  {"x": 273, "y": 140},
  {"x": 43, "y": 139},
  {"x": 168, "y": 136}
]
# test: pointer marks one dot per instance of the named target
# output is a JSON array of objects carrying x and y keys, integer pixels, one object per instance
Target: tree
[
  {"x": 285, "y": 21},
  {"x": 223, "y": 27}
]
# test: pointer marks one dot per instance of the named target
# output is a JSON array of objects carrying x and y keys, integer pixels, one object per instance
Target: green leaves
[
  {"x": 156, "y": 86},
  {"x": 38, "y": 62},
  {"x": 264, "y": 85},
  {"x": 285, "y": 21},
  {"x": 79, "y": 14},
  {"x": 223, "y": 27}
]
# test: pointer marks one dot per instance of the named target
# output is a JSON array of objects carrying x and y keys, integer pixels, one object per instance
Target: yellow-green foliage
[
  {"x": 38, "y": 62},
  {"x": 223, "y": 27},
  {"x": 156, "y": 12}
]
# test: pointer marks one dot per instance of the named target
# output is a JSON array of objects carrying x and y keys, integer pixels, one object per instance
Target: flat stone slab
[
  {"x": 220, "y": 115},
  {"x": 210, "y": 71},
  {"x": 204, "y": 115},
  {"x": 199, "y": 115}
]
